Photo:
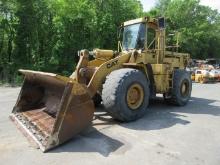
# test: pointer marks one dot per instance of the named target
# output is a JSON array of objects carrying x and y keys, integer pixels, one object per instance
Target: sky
[{"x": 214, "y": 4}]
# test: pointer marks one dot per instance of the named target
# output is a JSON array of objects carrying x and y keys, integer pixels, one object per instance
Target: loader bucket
[{"x": 51, "y": 109}]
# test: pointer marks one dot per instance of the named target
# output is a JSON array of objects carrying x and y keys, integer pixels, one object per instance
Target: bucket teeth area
[
  {"x": 38, "y": 123},
  {"x": 41, "y": 119}
]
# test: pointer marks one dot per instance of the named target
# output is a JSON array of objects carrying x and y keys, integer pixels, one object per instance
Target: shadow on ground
[
  {"x": 161, "y": 115},
  {"x": 158, "y": 117},
  {"x": 92, "y": 142}
]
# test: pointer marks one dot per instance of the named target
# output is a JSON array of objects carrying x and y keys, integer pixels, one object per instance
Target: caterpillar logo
[{"x": 110, "y": 65}]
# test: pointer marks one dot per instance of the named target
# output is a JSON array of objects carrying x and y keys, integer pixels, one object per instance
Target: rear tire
[
  {"x": 125, "y": 94},
  {"x": 182, "y": 87}
]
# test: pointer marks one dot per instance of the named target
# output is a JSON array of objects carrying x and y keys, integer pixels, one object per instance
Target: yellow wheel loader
[{"x": 51, "y": 109}]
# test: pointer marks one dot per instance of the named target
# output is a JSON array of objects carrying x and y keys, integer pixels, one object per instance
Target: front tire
[{"x": 125, "y": 94}]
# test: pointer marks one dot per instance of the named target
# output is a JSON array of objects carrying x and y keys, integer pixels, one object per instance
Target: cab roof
[{"x": 142, "y": 20}]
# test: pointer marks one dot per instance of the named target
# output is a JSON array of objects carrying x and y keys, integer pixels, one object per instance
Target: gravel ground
[{"x": 166, "y": 135}]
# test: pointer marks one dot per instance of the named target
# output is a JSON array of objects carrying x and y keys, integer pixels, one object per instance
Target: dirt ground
[{"x": 166, "y": 135}]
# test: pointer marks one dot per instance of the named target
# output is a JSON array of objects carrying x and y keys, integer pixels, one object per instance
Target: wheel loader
[{"x": 51, "y": 109}]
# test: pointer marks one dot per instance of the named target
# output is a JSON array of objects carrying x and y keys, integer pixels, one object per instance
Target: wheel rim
[
  {"x": 184, "y": 88},
  {"x": 135, "y": 96}
]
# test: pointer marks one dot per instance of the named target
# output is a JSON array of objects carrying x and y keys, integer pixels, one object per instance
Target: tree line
[{"x": 46, "y": 35}]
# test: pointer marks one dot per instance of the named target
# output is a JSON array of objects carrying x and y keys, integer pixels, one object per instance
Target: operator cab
[
  {"x": 140, "y": 33},
  {"x": 134, "y": 36}
]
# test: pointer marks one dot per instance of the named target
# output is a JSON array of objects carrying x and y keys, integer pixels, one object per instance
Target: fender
[{"x": 106, "y": 68}]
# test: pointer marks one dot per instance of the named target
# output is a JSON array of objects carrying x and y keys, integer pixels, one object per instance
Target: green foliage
[{"x": 46, "y": 35}]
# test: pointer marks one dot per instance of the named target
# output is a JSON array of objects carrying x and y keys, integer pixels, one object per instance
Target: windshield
[{"x": 134, "y": 37}]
